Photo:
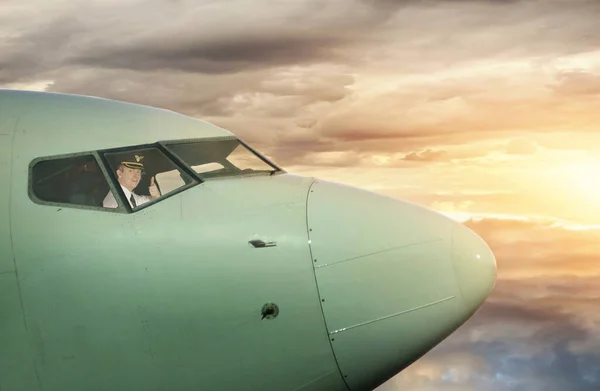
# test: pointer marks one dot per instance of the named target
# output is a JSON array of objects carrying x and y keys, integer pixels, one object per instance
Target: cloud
[
  {"x": 426, "y": 155},
  {"x": 363, "y": 77},
  {"x": 521, "y": 147},
  {"x": 259, "y": 96},
  {"x": 537, "y": 332},
  {"x": 471, "y": 152},
  {"x": 241, "y": 52},
  {"x": 429, "y": 100},
  {"x": 577, "y": 83},
  {"x": 303, "y": 148},
  {"x": 544, "y": 244},
  {"x": 209, "y": 38}
]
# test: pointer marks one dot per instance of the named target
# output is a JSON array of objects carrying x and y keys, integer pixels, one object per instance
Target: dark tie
[{"x": 132, "y": 201}]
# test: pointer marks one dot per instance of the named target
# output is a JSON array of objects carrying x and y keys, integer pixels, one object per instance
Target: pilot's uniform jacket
[
  {"x": 131, "y": 161},
  {"x": 111, "y": 202}
]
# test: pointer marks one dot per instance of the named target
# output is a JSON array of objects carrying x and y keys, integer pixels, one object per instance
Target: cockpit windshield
[
  {"x": 220, "y": 158},
  {"x": 140, "y": 175}
]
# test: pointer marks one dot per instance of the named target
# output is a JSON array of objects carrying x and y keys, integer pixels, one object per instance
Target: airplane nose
[
  {"x": 394, "y": 279},
  {"x": 475, "y": 266}
]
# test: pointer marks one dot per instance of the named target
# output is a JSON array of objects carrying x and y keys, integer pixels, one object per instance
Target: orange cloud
[
  {"x": 521, "y": 146},
  {"x": 536, "y": 332}
]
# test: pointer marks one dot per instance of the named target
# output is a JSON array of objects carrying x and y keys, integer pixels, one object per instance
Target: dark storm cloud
[
  {"x": 193, "y": 37},
  {"x": 537, "y": 333},
  {"x": 220, "y": 37},
  {"x": 245, "y": 52}
]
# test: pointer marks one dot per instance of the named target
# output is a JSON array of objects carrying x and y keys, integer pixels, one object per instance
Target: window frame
[
  {"x": 33, "y": 197},
  {"x": 277, "y": 170}
]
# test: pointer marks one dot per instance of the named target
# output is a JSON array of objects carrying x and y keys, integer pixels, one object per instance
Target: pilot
[{"x": 129, "y": 175}]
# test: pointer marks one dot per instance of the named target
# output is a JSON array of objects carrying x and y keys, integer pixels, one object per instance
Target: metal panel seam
[
  {"x": 380, "y": 252},
  {"x": 392, "y": 315},
  {"x": 308, "y": 230},
  {"x": 459, "y": 289},
  {"x": 310, "y": 382},
  {"x": 12, "y": 246}
]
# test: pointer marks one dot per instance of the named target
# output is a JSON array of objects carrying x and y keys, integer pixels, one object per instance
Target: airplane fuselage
[{"x": 235, "y": 278}]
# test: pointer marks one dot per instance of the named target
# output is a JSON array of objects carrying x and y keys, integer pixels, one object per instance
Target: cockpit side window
[
  {"x": 70, "y": 180},
  {"x": 220, "y": 158},
  {"x": 144, "y": 174}
]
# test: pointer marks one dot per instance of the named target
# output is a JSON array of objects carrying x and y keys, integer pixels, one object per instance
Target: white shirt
[{"x": 111, "y": 202}]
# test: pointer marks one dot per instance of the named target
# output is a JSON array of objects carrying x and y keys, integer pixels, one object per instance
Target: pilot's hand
[{"x": 154, "y": 193}]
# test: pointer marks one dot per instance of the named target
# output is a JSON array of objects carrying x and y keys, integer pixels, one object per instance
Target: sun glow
[{"x": 582, "y": 181}]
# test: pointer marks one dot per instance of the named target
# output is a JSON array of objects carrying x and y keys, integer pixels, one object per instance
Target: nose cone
[
  {"x": 475, "y": 267},
  {"x": 394, "y": 279}
]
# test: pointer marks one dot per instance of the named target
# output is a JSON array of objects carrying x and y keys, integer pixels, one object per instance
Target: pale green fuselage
[{"x": 169, "y": 297}]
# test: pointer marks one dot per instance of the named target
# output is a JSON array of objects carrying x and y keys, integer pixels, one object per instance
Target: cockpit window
[
  {"x": 220, "y": 158},
  {"x": 73, "y": 180},
  {"x": 144, "y": 175},
  {"x": 125, "y": 179}
]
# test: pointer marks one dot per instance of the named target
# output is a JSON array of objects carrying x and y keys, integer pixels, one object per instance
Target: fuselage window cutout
[
  {"x": 220, "y": 158},
  {"x": 144, "y": 174},
  {"x": 74, "y": 180}
]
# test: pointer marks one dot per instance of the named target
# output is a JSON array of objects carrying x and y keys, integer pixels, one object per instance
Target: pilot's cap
[{"x": 133, "y": 160}]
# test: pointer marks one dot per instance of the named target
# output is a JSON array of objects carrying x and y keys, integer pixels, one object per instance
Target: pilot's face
[{"x": 129, "y": 177}]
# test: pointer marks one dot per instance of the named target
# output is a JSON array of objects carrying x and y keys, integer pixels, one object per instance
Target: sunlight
[
  {"x": 40, "y": 85},
  {"x": 464, "y": 217},
  {"x": 581, "y": 180},
  {"x": 580, "y": 61}
]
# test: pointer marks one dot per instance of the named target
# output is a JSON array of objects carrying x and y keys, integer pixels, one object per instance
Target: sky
[{"x": 486, "y": 110}]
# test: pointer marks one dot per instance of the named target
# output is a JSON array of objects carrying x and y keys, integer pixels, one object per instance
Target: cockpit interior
[{"x": 83, "y": 179}]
